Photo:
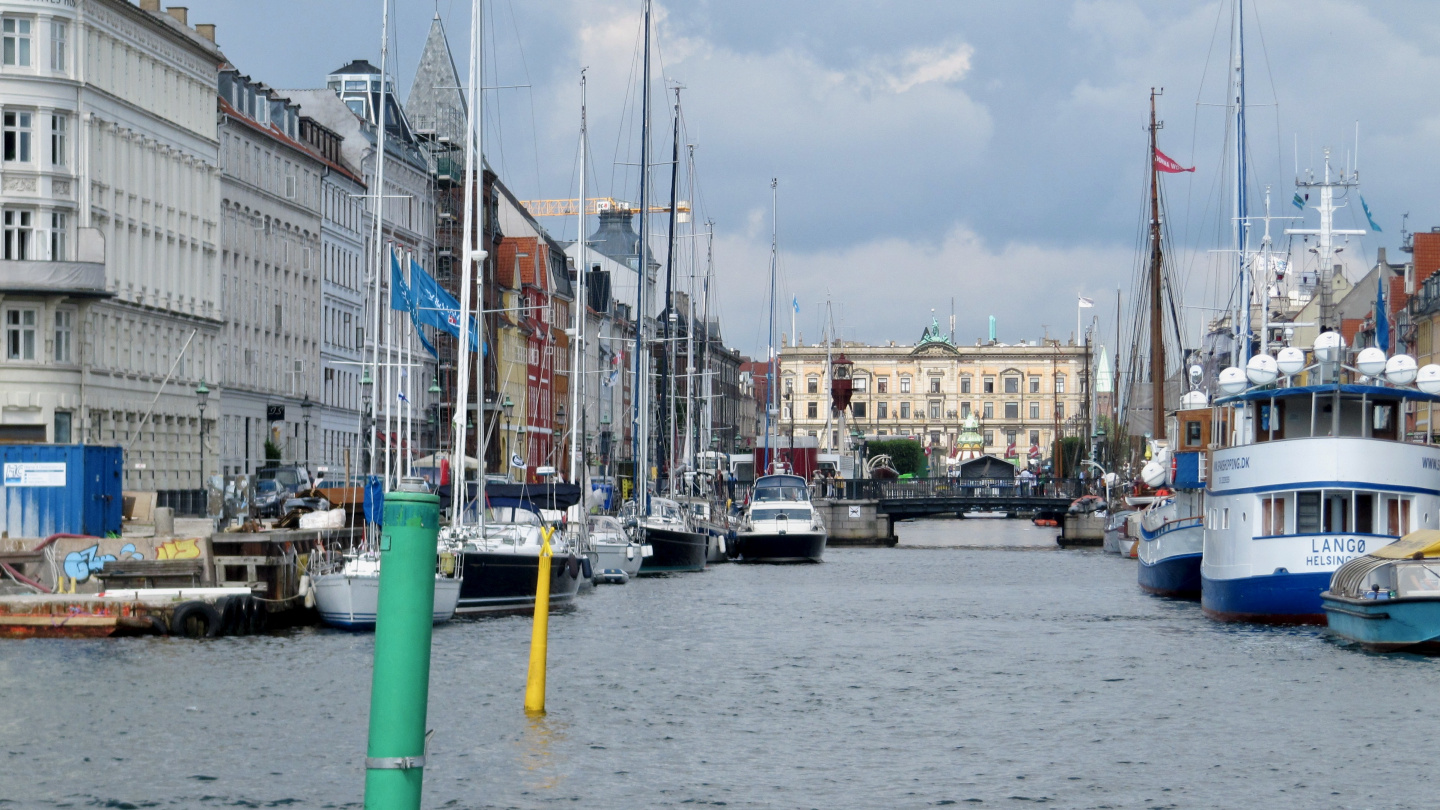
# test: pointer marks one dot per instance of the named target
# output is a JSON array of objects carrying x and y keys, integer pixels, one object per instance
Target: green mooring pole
[{"x": 400, "y": 689}]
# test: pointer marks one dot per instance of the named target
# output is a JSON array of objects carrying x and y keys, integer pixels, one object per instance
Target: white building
[
  {"x": 271, "y": 196},
  {"x": 109, "y": 195}
]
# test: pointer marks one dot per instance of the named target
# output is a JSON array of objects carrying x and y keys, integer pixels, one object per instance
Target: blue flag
[
  {"x": 1368, "y": 218},
  {"x": 402, "y": 297},
  {"x": 438, "y": 308},
  {"x": 1298, "y": 201},
  {"x": 795, "y": 302},
  {"x": 1382, "y": 319}
]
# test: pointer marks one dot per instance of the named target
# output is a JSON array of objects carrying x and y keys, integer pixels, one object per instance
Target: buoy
[{"x": 539, "y": 632}]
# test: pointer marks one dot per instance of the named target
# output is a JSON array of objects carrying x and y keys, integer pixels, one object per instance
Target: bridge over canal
[{"x": 865, "y": 511}]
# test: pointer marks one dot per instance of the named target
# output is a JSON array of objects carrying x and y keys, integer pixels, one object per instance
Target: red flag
[{"x": 1163, "y": 163}]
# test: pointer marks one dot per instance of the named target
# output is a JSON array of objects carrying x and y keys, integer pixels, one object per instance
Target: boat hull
[
  {"x": 504, "y": 582},
  {"x": 787, "y": 547},
  {"x": 1177, "y": 577},
  {"x": 618, "y": 562},
  {"x": 1270, "y": 599},
  {"x": 1385, "y": 625},
  {"x": 349, "y": 602},
  {"x": 673, "y": 552}
]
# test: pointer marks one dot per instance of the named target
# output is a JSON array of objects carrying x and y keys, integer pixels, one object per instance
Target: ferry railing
[{"x": 946, "y": 487}]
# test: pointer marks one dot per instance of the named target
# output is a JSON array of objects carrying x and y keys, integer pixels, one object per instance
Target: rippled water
[{"x": 974, "y": 664}]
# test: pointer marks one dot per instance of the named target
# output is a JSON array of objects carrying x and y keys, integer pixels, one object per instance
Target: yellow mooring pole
[{"x": 540, "y": 633}]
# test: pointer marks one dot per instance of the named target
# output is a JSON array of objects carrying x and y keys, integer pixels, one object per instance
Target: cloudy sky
[{"x": 989, "y": 152}]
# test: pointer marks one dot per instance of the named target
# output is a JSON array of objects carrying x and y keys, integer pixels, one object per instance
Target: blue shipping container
[{"x": 60, "y": 489}]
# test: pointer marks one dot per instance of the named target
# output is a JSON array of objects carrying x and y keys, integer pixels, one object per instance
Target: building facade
[
  {"x": 109, "y": 194},
  {"x": 1024, "y": 395}
]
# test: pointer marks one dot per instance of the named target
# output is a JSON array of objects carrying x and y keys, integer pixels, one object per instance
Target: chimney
[
  {"x": 180, "y": 13},
  {"x": 1380, "y": 259},
  {"x": 149, "y": 5},
  {"x": 206, "y": 30}
]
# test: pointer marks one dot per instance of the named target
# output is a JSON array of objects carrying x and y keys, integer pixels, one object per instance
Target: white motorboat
[{"x": 619, "y": 556}]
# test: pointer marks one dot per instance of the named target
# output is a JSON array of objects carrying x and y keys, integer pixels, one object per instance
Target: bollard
[
  {"x": 399, "y": 691},
  {"x": 540, "y": 632}
]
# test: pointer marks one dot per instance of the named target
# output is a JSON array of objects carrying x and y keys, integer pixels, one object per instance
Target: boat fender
[
  {"x": 586, "y": 569},
  {"x": 310, "y": 600},
  {"x": 629, "y": 552},
  {"x": 196, "y": 620},
  {"x": 304, "y": 589},
  {"x": 572, "y": 566},
  {"x": 157, "y": 625}
]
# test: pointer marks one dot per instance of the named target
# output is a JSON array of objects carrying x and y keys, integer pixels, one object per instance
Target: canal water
[{"x": 975, "y": 664}]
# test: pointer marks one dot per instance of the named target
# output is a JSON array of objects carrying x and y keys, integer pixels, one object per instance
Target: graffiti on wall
[
  {"x": 79, "y": 565},
  {"x": 181, "y": 549}
]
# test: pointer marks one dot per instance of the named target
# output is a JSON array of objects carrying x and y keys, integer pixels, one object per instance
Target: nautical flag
[
  {"x": 1298, "y": 201},
  {"x": 1086, "y": 302},
  {"x": 1164, "y": 163},
  {"x": 1370, "y": 219},
  {"x": 795, "y": 302},
  {"x": 517, "y": 461},
  {"x": 400, "y": 296},
  {"x": 438, "y": 308},
  {"x": 1382, "y": 318},
  {"x": 402, "y": 396}
]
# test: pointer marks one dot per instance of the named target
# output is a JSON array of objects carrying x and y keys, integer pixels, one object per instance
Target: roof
[
  {"x": 1301, "y": 390},
  {"x": 359, "y": 66},
  {"x": 1425, "y": 542}
]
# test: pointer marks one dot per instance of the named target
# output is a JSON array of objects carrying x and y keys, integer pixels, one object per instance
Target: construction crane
[{"x": 595, "y": 205}]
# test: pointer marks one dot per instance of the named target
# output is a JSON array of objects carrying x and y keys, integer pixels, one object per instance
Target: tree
[
  {"x": 272, "y": 451},
  {"x": 906, "y": 455}
]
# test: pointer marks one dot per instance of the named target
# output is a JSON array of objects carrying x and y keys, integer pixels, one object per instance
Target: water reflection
[{"x": 539, "y": 739}]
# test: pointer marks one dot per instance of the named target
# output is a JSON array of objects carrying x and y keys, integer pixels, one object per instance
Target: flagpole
[
  {"x": 387, "y": 385},
  {"x": 409, "y": 377}
]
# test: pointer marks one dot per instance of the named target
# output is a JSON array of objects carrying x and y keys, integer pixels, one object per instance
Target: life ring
[{"x": 196, "y": 620}]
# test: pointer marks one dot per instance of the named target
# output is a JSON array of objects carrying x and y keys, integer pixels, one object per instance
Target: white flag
[{"x": 1086, "y": 302}]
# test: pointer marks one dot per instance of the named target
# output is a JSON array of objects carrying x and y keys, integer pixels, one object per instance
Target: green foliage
[
  {"x": 1072, "y": 450},
  {"x": 272, "y": 451},
  {"x": 906, "y": 455}
]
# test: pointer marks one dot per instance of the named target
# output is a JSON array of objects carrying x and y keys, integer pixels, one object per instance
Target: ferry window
[
  {"x": 1337, "y": 511},
  {"x": 1307, "y": 512},
  {"x": 1365, "y": 513},
  {"x": 1414, "y": 578},
  {"x": 1192, "y": 434},
  {"x": 1382, "y": 425},
  {"x": 1272, "y": 516},
  {"x": 1397, "y": 516},
  {"x": 1225, "y": 518}
]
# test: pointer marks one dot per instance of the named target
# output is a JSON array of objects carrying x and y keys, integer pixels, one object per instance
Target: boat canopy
[
  {"x": 534, "y": 497},
  {"x": 1425, "y": 542},
  {"x": 1374, "y": 391}
]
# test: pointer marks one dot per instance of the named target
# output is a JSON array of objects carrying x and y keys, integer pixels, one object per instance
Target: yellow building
[{"x": 1021, "y": 393}]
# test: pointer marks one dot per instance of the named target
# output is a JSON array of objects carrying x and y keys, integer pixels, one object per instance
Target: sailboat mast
[
  {"x": 667, "y": 367},
  {"x": 1240, "y": 223},
  {"x": 640, "y": 419},
  {"x": 1157, "y": 313},
  {"x": 709, "y": 418},
  {"x": 470, "y": 254},
  {"x": 577, "y": 398},
  {"x": 772, "y": 409},
  {"x": 380, "y": 268}
]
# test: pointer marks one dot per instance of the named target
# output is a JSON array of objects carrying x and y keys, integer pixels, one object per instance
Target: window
[
  {"x": 964, "y": 410},
  {"x": 1012, "y": 385},
  {"x": 1059, "y": 410},
  {"x": 1010, "y": 438},
  {"x": 882, "y": 385},
  {"x": 904, "y": 383},
  {"x": 1192, "y": 434},
  {"x": 1034, "y": 438},
  {"x": 17, "y": 137},
  {"x": 62, "y": 427},
  {"x": 20, "y": 334},
  {"x": 1364, "y": 513},
  {"x": 58, "y": 253},
  {"x": 1397, "y": 513},
  {"x": 881, "y": 410},
  {"x": 964, "y": 383},
  {"x": 1034, "y": 385},
  {"x": 858, "y": 408},
  {"x": 989, "y": 438},
  {"x": 19, "y": 228},
  {"x": 862, "y": 384},
  {"x": 812, "y": 410},
  {"x": 1272, "y": 517},
  {"x": 17, "y": 42},
  {"x": 64, "y": 332},
  {"x": 1307, "y": 512},
  {"x": 1012, "y": 410},
  {"x": 1060, "y": 384},
  {"x": 904, "y": 410},
  {"x": 59, "y": 124},
  {"x": 1225, "y": 518},
  {"x": 812, "y": 385},
  {"x": 989, "y": 412},
  {"x": 989, "y": 385},
  {"x": 934, "y": 409},
  {"x": 934, "y": 385},
  {"x": 59, "y": 35},
  {"x": 1034, "y": 410}
]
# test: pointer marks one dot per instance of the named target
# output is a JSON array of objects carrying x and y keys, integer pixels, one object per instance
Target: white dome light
[
  {"x": 1261, "y": 369},
  {"x": 1232, "y": 380},
  {"x": 1328, "y": 346},
  {"x": 1194, "y": 399},
  {"x": 1428, "y": 379},
  {"x": 1371, "y": 362},
  {"x": 1400, "y": 369},
  {"x": 1290, "y": 360},
  {"x": 1153, "y": 474}
]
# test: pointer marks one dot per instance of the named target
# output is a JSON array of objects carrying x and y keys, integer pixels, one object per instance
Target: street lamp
[
  {"x": 202, "y": 394},
  {"x": 561, "y": 419},
  {"x": 305, "y": 406},
  {"x": 366, "y": 386},
  {"x": 434, "y": 392},
  {"x": 508, "y": 406}
]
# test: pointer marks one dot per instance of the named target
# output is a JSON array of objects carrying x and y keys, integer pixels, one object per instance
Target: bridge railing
[{"x": 896, "y": 489}]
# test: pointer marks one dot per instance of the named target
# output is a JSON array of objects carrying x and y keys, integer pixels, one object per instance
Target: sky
[{"x": 992, "y": 154}]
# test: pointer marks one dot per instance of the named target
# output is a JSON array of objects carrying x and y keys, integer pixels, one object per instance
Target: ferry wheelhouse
[{"x": 1304, "y": 478}]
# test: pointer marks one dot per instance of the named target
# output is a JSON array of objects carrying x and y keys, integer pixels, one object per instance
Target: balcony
[{"x": 72, "y": 279}]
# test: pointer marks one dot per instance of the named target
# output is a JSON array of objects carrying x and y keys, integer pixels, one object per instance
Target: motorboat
[
  {"x": 619, "y": 556},
  {"x": 780, "y": 523},
  {"x": 348, "y": 595},
  {"x": 1117, "y": 540},
  {"x": 1389, "y": 600}
]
